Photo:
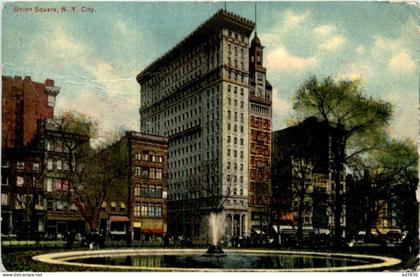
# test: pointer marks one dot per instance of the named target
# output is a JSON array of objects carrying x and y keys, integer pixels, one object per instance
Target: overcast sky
[{"x": 94, "y": 57}]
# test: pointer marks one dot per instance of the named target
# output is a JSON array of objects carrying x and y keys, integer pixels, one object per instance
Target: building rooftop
[
  {"x": 147, "y": 136},
  {"x": 219, "y": 20}
]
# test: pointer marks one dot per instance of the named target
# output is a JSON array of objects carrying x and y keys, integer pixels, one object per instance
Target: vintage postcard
[{"x": 210, "y": 136}]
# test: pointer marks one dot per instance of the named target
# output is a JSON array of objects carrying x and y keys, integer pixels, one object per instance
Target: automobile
[{"x": 393, "y": 236}]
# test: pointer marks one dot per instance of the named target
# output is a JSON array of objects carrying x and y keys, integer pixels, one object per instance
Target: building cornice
[{"x": 215, "y": 23}]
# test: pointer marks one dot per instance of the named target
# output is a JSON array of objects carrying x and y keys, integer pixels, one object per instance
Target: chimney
[{"x": 49, "y": 82}]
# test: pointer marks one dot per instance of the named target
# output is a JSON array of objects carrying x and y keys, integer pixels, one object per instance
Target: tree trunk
[
  {"x": 300, "y": 214},
  {"x": 338, "y": 149}
]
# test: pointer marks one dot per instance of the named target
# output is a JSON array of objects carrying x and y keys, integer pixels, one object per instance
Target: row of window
[
  {"x": 235, "y": 89},
  {"x": 21, "y": 165},
  {"x": 260, "y": 109},
  {"x": 148, "y": 191},
  {"x": 235, "y": 153},
  {"x": 148, "y": 173},
  {"x": 234, "y": 178},
  {"x": 57, "y": 164},
  {"x": 148, "y": 157},
  {"x": 235, "y": 140},
  {"x": 185, "y": 161},
  {"x": 235, "y": 128},
  {"x": 58, "y": 184},
  {"x": 235, "y": 114},
  {"x": 148, "y": 209}
]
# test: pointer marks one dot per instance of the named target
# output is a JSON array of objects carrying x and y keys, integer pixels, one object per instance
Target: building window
[
  {"x": 35, "y": 166},
  {"x": 113, "y": 206},
  {"x": 59, "y": 164},
  {"x": 51, "y": 100},
  {"x": 5, "y": 164},
  {"x": 49, "y": 145},
  {"x": 136, "y": 210},
  {"x": 137, "y": 171},
  {"x": 137, "y": 191},
  {"x": 50, "y": 164},
  {"x": 158, "y": 173},
  {"x": 145, "y": 173},
  {"x": 4, "y": 199},
  {"x": 19, "y": 181},
  {"x": 4, "y": 180},
  {"x": 58, "y": 185},
  {"x": 20, "y": 165},
  {"x": 35, "y": 182},
  {"x": 50, "y": 205},
  {"x": 49, "y": 184}
]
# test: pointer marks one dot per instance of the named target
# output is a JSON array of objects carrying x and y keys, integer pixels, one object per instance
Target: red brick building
[
  {"x": 260, "y": 113},
  {"x": 144, "y": 191},
  {"x": 24, "y": 102}
]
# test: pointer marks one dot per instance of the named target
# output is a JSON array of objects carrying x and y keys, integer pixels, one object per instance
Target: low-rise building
[{"x": 302, "y": 151}]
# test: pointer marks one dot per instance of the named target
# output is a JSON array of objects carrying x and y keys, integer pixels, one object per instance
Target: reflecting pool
[{"x": 231, "y": 261}]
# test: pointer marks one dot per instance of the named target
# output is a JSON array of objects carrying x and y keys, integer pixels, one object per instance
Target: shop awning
[
  {"x": 152, "y": 231},
  {"x": 118, "y": 218},
  {"x": 122, "y": 204},
  {"x": 113, "y": 204}
]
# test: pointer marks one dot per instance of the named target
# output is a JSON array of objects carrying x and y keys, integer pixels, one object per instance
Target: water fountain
[
  {"x": 257, "y": 260},
  {"x": 216, "y": 228}
]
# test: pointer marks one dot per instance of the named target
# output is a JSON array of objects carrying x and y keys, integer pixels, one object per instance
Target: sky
[{"x": 94, "y": 57}]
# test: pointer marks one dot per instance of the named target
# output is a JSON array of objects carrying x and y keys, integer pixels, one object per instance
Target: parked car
[{"x": 393, "y": 236}]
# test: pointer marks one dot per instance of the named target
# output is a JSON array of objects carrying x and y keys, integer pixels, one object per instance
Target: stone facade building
[
  {"x": 302, "y": 151},
  {"x": 62, "y": 215},
  {"x": 197, "y": 94}
]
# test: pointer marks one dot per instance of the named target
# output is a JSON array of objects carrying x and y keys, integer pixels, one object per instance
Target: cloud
[
  {"x": 293, "y": 19},
  {"x": 281, "y": 106},
  {"x": 361, "y": 50},
  {"x": 401, "y": 63},
  {"x": 405, "y": 122},
  {"x": 328, "y": 37},
  {"x": 333, "y": 43},
  {"x": 325, "y": 30},
  {"x": 281, "y": 60},
  {"x": 357, "y": 70}
]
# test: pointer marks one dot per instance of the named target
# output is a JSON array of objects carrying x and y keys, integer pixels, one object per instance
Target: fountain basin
[
  {"x": 214, "y": 251},
  {"x": 236, "y": 260}
]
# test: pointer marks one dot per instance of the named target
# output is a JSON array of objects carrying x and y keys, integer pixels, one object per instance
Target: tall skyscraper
[
  {"x": 260, "y": 114},
  {"x": 198, "y": 95}
]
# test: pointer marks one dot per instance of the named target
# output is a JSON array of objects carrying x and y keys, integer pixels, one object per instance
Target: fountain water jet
[{"x": 216, "y": 229}]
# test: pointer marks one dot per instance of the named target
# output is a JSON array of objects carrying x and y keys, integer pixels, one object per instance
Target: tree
[
  {"x": 92, "y": 173},
  {"x": 387, "y": 175},
  {"x": 304, "y": 146},
  {"x": 352, "y": 119}
]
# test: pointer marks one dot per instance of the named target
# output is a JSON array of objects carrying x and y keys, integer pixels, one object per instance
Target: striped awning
[{"x": 152, "y": 231}]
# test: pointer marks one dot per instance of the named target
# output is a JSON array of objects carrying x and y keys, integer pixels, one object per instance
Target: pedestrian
[
  {"x": 128, "y": 237},
  {"x": 165, "y": 241},
  {"x": 70, "y": 239}
]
